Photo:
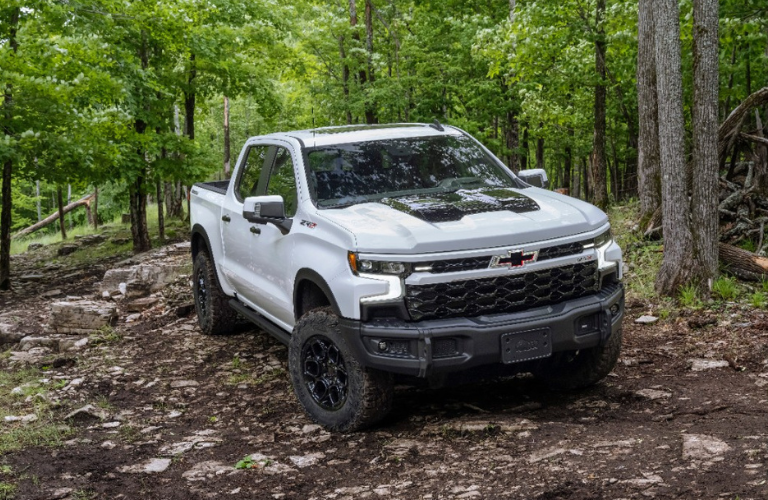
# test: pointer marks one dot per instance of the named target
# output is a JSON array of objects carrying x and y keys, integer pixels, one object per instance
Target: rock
[
  {"x": 31, "y": 277},
  {"x": 51, "y": 293},
  {"x": 92, "y": 239},
  {"x": 699, "y": 365},
  {"x": 120, "y": 241},
  {"x": 544, "y": 454},
  {"x": 110, "y": 425},
  {"x": 10, "y": 334},
  {"x": 152, "y": 466},
  {"x": 310, "y": 428},
  {"x": 31, "y": 342},
  {"x": 703, "y": 447},
  {"x": 653, "y": 394},
  {"x": 646, "y": 320},
  {"x": 87, "y": 413},
  {"x": 155, "y": 276},
  {"x": 72, "y": 344},
  {"x": 82, "y": 316},
  {"x": 66, "y": 250},
  {"x": 204, "y": 470},
  {"x": 179, "y": 384},
  {"x": 139, "y": 305},
  {"x": 136, "y": 289},
  {"x": 108, "y": 445},
  {"x": 701, "y": 322},
  {"x": 34, "y": 246},
  {"x": 306, "y": 460},
  {"x": 59, "y": 494},
  {"x": 25, "y": 419}
]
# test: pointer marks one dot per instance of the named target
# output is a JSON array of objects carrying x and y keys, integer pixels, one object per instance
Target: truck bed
[{"x": 216, "y": 186}]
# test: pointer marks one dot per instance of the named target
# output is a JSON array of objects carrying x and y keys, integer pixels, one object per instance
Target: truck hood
[{"x": 465, "y": 220}]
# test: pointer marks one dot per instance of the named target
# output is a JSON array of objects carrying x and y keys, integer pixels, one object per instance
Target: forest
[{"x": 114, "y": 106}]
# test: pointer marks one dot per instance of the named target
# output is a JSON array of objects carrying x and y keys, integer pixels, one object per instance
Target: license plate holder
[{"x": 517, "y": 347}]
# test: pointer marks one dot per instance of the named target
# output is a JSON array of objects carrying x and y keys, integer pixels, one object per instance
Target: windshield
[{"x": 343, "y": 175}]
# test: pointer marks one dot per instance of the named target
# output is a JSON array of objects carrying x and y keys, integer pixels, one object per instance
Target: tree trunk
[
  {"x": 704, "y": 188},
  {"x": 648, "y": 161},
  {"x": 5, "y": 191},
  {"x": 138, "y": 196},
  {"x": 226, "y": 140},
  {"x": 160, "y": 215},
  {"x": 568, "y": 165},
  {"x": 370, "y": 105},
  {"x": 60, "y": 204},
  {"x": 598, "y": 167},
  {"x": 345, "y": 79},
  {"x": 95, "y": 208},
  {"x": 38, "y": 203},
  {"x": 189, "y": 100},
  {"x": 678, "y": 244},
  {"x": 540, "y": 150},
  {"x": 742, "y": 263},
  {"x": 526, "y": 150},
  {"x": 513, "y": 140}
]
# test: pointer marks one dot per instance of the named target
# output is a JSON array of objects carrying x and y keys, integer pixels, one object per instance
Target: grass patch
[
  {"x": 725, "y": 288},
  {"x": 689, "y": 297},
  {"x": 7, "y": 490},
  {"x": 105, "y": 335},
  {"x": 758, "y": 300}
]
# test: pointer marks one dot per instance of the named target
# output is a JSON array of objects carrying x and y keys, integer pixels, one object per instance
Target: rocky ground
[{"x": 138, "y": 404}]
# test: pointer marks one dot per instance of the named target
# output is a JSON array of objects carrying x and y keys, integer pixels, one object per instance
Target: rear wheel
[
  {"x": 579, "y": 369},
  {"x": 334, "y": 389},
  {"x": 211, "y": 303}
]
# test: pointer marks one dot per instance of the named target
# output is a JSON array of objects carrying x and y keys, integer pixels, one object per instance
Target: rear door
[{"x": 236, "y": 233}]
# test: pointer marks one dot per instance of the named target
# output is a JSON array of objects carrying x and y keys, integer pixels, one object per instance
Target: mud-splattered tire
[
  {"x": 334, "y": 389},
  {"x": 214, "y": 315},
  {"x": 574, "y": 370}
]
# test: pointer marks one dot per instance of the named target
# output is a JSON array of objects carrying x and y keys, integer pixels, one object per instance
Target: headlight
[
  {"x": 366, "y": 266},
  {"x": 600, "y": 240}
]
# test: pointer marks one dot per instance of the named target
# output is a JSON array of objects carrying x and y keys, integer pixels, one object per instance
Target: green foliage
[
  {"x": 689, "y": 297},
  {"x": 758, "y": 300},
  {"x": 725, "y": 288}
]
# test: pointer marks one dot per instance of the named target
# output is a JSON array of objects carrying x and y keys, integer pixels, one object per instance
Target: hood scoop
[{"x": 448, "y": 207}]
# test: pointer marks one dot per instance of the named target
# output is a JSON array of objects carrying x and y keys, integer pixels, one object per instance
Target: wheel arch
[{"x": 309, "y": 278}]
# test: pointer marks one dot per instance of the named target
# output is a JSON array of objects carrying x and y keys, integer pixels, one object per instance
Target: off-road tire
[
  {"x": 368, "y": 393},
  {"x": 573, "y": 370},
  {"x": 214, "y": 314}
]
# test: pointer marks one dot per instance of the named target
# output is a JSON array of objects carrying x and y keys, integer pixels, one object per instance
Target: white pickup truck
[{"x": 410, "y": 250}]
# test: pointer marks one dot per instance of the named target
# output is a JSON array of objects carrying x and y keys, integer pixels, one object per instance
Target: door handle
[
  {"x": 255, "y": 230},
  {"x": 225, "y": 218}
]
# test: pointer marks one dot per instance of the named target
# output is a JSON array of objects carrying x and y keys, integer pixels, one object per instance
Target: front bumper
[{"x": 452, "y": 345}]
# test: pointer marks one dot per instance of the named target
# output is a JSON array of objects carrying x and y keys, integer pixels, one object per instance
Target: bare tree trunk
[
  {"x": 648, "y": 161},
  {"x": 704, "y": 188},
  {"x": 540, "y": 149},
  {"x": 160, "y": 215},
  {"x": 370, "y": 105},
  {"x": 513, "y": 140},
  {"x": 189, "y": 99},
  {"x": 37, "y": 195},
  {"x": 95, "y": 208},
  {"x": 5, "y": 217},
  {"x": 678, "y": 242},
  {"x": 60, "y": 203},
  {"x": 598, "y": 170},
  {"x": 226, "y": 139},
  {"x": 138, "y": 196},
  {"x": 568, "y": 164},
  {"x": 345, "y": 79},
  {"x": 526, "y": 150}
]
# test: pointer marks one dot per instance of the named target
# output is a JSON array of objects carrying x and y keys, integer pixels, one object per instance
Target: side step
[{"x": 261, "y": 321}]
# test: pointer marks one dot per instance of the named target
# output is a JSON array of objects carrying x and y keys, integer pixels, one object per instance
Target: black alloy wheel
[{"x": 325, "y": 373}]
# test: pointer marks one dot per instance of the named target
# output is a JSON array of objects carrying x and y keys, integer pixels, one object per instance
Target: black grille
[
  {"x": 474, "y": 263},
  {"x": 560, "y": 251},
  {"x": 502, "y": 294}
]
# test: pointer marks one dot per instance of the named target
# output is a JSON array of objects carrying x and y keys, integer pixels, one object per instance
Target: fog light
[
  {"x": 587, "y": 324},
  {"x": 614, "y": 309},
  {"x": 383, "y": 346}
]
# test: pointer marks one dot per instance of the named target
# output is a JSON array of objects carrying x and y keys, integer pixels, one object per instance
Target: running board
[{"x": 260, "y": 320}]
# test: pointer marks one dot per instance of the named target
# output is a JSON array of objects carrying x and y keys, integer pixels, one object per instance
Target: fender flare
[
  {"x": 306, "y": 274},
  {"x": 198, "y": 229}
]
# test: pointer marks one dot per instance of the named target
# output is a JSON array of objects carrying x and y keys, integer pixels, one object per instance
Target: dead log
[
  {"x": 730, "y": 129},
  {"x": 746, "y": 265},
  {"x": 85, "y": 201}
]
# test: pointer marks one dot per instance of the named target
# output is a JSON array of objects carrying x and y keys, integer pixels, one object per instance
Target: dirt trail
[{"x": 684, "y": 415}]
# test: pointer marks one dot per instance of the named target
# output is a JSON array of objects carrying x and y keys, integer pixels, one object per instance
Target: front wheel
[
  {"x": 334, "y": 389},
  {"x": 214, "y": 314},
  {"x": 579, "y": 369}
]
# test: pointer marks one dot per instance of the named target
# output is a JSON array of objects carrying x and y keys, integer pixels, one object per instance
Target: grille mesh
[
  {"x": 502, "y": 294},
  {"x": 474, "y": 263}
]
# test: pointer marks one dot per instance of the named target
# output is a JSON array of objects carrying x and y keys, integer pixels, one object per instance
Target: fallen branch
[
  {"x": 744, "y": 264},
  {"x": 85, "y": 201}
]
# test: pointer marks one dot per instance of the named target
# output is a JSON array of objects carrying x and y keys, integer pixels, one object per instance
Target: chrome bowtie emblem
[{"x": 514, "y": 258}]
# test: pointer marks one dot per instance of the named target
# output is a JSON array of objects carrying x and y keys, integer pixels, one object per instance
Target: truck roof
[{"x": 326, "y": 136}]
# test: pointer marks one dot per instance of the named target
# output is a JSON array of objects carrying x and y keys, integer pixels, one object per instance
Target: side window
[
  {"x": 248, "y": 183},
  {"x": 282, "y": 181}
]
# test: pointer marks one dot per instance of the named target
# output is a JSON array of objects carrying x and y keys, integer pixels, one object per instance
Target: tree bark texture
[
  {"x": 160, "y": 215},
  {"x": 345, "y": 79},
  {"x": 5, "y": 216},
  {"x": 226, "y": 138},
  {"x": 84, "y": 201},
  {"x": 704, "y": 187},
  {"x": 138, "y": 196},
  {"x": 95, "y": 208},
  {"x": 676, "y": 266},
  {"x": 648, "y": 161},
  {"x": 512, "y": 132},
  {"x": 189, "y": 99},
  {"x": 370, "y": 105},
  {"x": 742, "y": 263},
  {"x": 597, "y": 171},
  {"x": 60, "y": 203}
]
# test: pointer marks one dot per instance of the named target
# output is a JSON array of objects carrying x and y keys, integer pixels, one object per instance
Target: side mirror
[
  {"x": 535, "y": 177},
  {"x": 267, "y": 210}
]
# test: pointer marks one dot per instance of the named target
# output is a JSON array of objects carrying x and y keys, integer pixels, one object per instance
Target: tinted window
[
  {"x": 369, "y": 171},
  {"x": 282, "y": 181},
  {"x": 248, "y": 183}
]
